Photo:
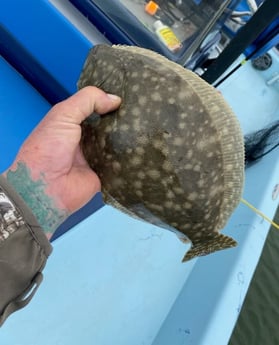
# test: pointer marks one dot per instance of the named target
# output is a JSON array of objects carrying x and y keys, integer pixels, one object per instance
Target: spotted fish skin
[{"x": 172, "y": 154}]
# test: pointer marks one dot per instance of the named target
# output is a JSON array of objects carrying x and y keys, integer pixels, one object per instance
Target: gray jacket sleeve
[{"x": 24, "y": 250}]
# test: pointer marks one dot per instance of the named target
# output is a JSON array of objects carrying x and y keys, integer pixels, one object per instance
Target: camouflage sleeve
[{"x": 24, "y": 250}]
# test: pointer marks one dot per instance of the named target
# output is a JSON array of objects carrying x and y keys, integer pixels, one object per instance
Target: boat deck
[{"x": 111, "y": 278}]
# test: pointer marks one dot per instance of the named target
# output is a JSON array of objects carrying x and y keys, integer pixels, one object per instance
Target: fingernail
[{"x": 114, "y": 97}]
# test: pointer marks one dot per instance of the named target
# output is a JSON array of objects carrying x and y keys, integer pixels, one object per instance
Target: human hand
[{"x": 50, "y": 172}]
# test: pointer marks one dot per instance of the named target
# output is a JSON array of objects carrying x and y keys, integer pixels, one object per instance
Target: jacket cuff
[{"x": 24, "y": 250}]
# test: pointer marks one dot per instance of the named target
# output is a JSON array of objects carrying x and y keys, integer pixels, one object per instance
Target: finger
[{"x": 78, "y": 107}]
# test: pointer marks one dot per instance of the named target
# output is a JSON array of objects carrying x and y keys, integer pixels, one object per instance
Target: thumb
[{"x": 78, "y": 107}]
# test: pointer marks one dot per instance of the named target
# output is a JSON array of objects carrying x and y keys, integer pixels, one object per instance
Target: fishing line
[{"x": 260, "y": 213}]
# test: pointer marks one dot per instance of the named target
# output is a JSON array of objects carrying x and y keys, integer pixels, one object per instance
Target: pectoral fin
[{"x": 218, "y": 242}]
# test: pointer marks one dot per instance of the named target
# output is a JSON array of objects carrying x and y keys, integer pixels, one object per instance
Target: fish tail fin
[{"x": 218, "y": 242}]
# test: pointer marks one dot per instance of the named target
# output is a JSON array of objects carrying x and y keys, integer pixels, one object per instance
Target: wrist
[{"x": 34, "y": 193}]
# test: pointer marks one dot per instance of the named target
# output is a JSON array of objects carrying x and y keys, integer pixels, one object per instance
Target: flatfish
[{"x": 172, "y": 154}]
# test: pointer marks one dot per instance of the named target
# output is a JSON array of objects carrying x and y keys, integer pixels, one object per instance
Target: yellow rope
[{"x": 259, "y": 213}]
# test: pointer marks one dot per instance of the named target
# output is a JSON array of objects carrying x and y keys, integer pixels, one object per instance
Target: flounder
[{"x": 172, "y": 154}]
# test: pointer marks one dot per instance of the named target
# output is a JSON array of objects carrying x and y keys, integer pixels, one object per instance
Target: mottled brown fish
[{"x": 172, "y": 154}]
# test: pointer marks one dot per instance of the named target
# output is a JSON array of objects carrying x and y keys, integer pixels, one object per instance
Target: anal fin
[{"x": 218, "y": 242}]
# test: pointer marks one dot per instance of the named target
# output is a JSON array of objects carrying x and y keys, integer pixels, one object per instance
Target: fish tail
[{"x": 218, "y": 242}]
